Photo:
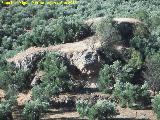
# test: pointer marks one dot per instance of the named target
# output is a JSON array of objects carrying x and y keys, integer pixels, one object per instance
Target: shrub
[
  {"x": 100, "y": 110},
  {"x": 152, "y": 74},
  {"x": 156, "y": 105},
  {"x": 10, "y": 53},
  {"x": 10, "y": 76},
  {"x": 144, "y": 45},
  {"x": 33, "y": 109},
  {"x": 5, "y": 79},
  {"x": 7, "y": 42},
  {"x": 109, "y": 74},
  {"x": 55, "y": 80},
  {"x": 55, "y": 72},
  {"x": 107, "y": 77},
  {"x": 44, "y": 92},
  {"x": 110, "y": 37},
  {"x": 145, "y": 40},
  {"x": 5, "y": 111},
  {"x": 11, "y": 95},
  {"x": 132, "y": 58},
  {"x": 21, "y": 80},
  {"x": 83, "y": 107},
  {"x": 132, "y": 96},
  {"x": 6, "y": 106},
  {"x": 132, "y": 64},
  {"x": 3, "y": 63},
  {"x": 104, "y": 26},
  {"x": 62, "y": 30}
]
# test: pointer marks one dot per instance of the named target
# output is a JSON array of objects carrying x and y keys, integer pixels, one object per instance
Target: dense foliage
[
  {"x": 33, "y": 109},
  {"x": 100, "y": 110},
  {"x": 5, "y": 111},
  {"x": 152, "y": 74},
  {"x": 61, "y": 23},
  {"x": 58, "y": 31},
  {"x": 155, "y": 105},
  {"x": 128, "y": 73},
  {"x": 56, "y": 73},
  {"x": 7, "y": 106},
  {"x": 133, "y": 96},
  {"x": 9, "y": 75}
]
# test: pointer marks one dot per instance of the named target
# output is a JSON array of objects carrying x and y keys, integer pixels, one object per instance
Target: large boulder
[
  {"x": 87, "y": 61},
  {"x": 80, "y": 56}
]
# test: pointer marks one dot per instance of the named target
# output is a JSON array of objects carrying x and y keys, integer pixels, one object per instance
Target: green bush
[
  {"x": 62, "y": 30},
  {"x": 145, "y": 40},
  {"x": 156, "y": 105},
  {"x": 33, "y": 109},
  {"x": 132, "y": 96},
  {"x": 5, "y": 111},
  {"x": 104, "y": 28},
  {"x": 83, "y": 107},
  {"x": 55, "y": 80},
  {"x": 10, "y": 76},
  {"x": 145, "y": 45},
  {"x": 100, "y": 110},
  {"x": 132, "y": 64},
  {"x": 7, "y": 42},
  {"x": 107, "y": 77},
  {"x": 11, "y": 95},
  {"x": 10, "y": 53},
  {"x": 109, "y": 37},
  {"x": 6, "y": 106},
  {"x": 5, "y": 79},
  {"x": 132, "y": 58},
  {"x": 21, "y": 80},
  {"x": 152, "y": 74},
  {"x": 44, "y": 92},
  {"x": 125, "y": 72},
  {"x": 56, "y": 72}
]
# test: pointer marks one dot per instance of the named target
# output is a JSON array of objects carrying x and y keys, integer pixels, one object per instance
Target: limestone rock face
[
  {"x": 87, "y": 62},
  {"x": 94, "y": 21},
  {"x": 27, "y": 60},
  {"x": 30, "y": 61},
  {"x": 81, "y": 56}
]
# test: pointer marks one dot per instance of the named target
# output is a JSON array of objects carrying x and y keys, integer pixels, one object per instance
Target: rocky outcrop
[
  {"x": 87, "y": 61},
  {"x": 82, "y": 56},
  {"x": 37, "y": 78},
  {"x": 27, "y": 59},
  {"x": 94, "y": 21}
]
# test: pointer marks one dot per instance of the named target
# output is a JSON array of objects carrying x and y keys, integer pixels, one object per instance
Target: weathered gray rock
[
  {"x": 94, "y": 21},
  {"x": 37, "y": 78},
  {"x": 87, "y": 62},
  {"x": 28, "y": 60},
  {"x": 82, "y": 56}
]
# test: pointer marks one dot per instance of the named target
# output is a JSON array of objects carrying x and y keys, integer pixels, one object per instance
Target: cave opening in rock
[{"x": 126, "y": 31}]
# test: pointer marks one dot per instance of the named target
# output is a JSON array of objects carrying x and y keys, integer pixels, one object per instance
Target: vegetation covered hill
[{"x": 129, "y": 53}]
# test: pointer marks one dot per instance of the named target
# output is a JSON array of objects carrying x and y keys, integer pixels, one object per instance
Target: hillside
[{"x": 92, "y": 59}]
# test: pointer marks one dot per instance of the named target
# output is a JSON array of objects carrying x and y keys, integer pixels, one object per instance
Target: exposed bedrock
[{"x": 81, "y": 57}]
